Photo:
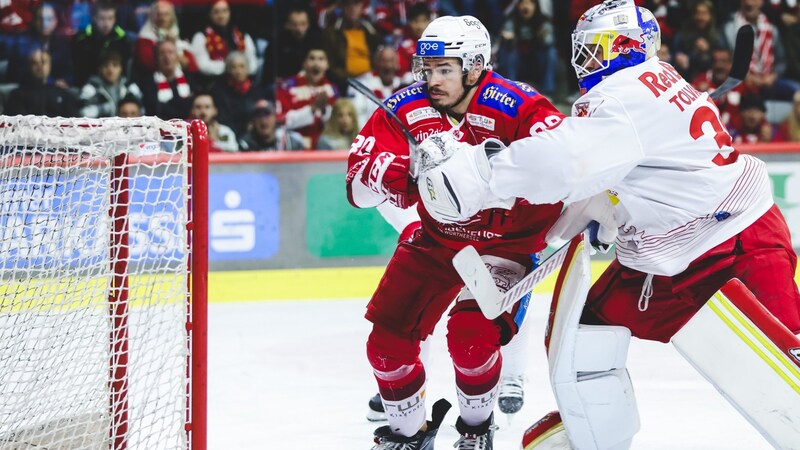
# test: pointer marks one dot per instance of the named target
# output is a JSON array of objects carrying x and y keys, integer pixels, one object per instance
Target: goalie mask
[
  {"x": 612, "y": 36},
  {"x": 462, "y": 37}
]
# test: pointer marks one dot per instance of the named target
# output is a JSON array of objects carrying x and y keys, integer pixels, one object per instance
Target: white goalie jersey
[{"x": 658, "y": 145}]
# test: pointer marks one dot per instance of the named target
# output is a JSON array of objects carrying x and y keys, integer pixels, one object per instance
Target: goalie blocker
[{"x": 733, "y": 341}]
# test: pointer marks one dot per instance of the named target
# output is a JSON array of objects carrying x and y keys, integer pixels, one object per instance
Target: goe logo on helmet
[{"x": 430, "y": 48}]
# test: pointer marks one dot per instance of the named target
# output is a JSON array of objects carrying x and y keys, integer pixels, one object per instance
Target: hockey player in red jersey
[{"x": 458, "y": 92}]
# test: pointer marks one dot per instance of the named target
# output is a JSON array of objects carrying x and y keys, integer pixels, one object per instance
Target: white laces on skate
[{"x": 476, "y": 442}]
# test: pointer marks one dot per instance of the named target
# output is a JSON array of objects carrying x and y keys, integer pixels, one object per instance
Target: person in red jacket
[{"x": 458, "y": 92}]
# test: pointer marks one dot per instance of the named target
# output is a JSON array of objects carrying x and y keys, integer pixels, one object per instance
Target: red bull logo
[{"x": 624, "y": 45}]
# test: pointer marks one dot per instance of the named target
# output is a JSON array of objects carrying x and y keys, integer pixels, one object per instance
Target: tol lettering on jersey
[{"x": 662, "y": 81}]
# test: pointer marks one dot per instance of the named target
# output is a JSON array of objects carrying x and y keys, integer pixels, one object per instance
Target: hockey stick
[
  {"x": 412, "y": 142},
  {"x": 742, "y": 55},
  {"x": 476, "y": 277}
]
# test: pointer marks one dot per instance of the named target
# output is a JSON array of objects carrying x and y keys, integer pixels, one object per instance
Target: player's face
[
  {"x": 595, "y": 59},
  {"x": 444, "y": 81}
]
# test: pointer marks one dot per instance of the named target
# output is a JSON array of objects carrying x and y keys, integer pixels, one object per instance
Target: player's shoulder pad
[
  {"x": 504, "y": 95},
  {"x": 417, "y": 91}
]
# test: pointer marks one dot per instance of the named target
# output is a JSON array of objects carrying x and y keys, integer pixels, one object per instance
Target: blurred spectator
[
  {"x": 167, "y": 93},
  {"x": 129, "y": 107},
  {"x": 390, "y": 16},
  {"x": 787, "y": 19},
  {"x": 710, "y": 80},
  {"x": 236, "y": 95},
  {"x": 419, "y": 17},
  {"x": 265, "y": 135},
  {"x": 527, "y": 49},
  {"x": 220, "y": 38},
  {"x": 222, "y": 137},
  {"x": 383, "y": 81},
  {"x": 490, "y": 13},
  {"x": 39, "y": 96},
  {"x": 42, "y": 35},
  {"x": 670, "y": 14},
  {"x": 768, "y": 64},
  {"x": 101, "y": 94},
  {"x": 305, "y": 100},
  {"x": 161, "y": 24},
  {"x": 696, "y": 38},
  {"x": 285, "y": 56},
  {"x": 789, "y": 129},
  {"x": 350, "y": 43},
  {"x": 102, "y": 34},
  {"x": 16, "y": 15},
  {"x": 753, "y": 126},
  {"x": 342, "y": 127}
]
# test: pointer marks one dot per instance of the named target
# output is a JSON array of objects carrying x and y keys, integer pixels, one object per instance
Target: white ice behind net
[{"x": 56, "y": 279}]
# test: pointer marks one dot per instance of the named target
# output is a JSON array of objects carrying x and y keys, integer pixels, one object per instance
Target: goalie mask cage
[{"x": 103, "y": 274}]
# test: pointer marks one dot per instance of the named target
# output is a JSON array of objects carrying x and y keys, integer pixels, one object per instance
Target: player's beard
[{"x": 444, "y": 107}]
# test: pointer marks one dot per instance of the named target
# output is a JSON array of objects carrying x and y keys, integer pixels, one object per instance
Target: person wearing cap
[
  {"x": 752, "y": 126},
  {"x": 264, "y": 134}
]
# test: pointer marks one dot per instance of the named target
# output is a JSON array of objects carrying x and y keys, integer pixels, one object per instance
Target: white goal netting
[{"x": 94, "y": 276}]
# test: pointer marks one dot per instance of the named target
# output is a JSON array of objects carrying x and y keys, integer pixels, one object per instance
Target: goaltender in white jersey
[{"x": 646, "y": 156}]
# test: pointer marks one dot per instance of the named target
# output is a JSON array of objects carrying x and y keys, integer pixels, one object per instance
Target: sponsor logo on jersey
[
  {"x": 500, "y": 98},
  {"x": 413, "y": 92},
  {"x": 421, "y": 114},
  {"x": 795, "y": 352},
  {"x": 477, "y": 120},
  {"x": 422, "y": 135},
  {"x": 581, "y": 109},
  {"x": 526, "y": 88},
  {"x": 457, "y": 133},
  {"x": 430, "y": 48}
]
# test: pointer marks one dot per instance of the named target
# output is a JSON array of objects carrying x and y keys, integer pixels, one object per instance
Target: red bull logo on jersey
[{"x": 625, "y": 44}]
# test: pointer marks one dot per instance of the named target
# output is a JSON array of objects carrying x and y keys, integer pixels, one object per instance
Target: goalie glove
[
  {"x": 597, "y": 213},
  {"x": 457, "y": 187}
]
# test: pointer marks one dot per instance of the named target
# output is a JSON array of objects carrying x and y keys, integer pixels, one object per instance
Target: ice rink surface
[{"x": 294, "y": 376}]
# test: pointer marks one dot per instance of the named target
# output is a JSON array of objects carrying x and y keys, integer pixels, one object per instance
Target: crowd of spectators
[{"x": 272, "y": 75}]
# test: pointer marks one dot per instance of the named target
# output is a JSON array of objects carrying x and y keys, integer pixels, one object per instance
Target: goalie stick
[
  {"x": 412, "y": 141},
  {"x": 742, "y": 55},
  {"x": 470, "y": 266}
]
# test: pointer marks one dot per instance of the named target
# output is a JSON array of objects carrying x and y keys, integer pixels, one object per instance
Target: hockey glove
[
  {"x": 388, "y": 175},
  {"x": 579, "y": 215},
  {"x": 458, "y": 187}
]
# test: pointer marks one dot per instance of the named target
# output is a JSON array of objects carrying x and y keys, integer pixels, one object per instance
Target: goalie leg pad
[
  {"x": 751, "y": 359},
  {"x": 587, "y": 365}
]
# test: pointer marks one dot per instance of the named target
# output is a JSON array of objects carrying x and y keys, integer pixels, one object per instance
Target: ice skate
[
  {"x": 478, "y": 437},
  {"x": 511, "y": 396},
  {"x": 376, "y": 412},
  {"x": 423, "y": 440}
]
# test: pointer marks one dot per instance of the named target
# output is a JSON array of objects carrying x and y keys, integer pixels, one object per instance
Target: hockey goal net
[{"x": 103, "y": 263}]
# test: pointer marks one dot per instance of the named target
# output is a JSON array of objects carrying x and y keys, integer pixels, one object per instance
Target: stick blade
[
  {"x": 479, "y": 281},
  {"x": 743, "y": 52}
]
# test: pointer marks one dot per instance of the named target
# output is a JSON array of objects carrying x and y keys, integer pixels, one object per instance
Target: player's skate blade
[
  {"x": 423, "y": 440},
  {"x": 511, "y": 396},
  {"x": 376, "y": 412}
]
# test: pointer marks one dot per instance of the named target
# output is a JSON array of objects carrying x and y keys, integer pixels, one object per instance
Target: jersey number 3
[{"x": 705, "y": 114}]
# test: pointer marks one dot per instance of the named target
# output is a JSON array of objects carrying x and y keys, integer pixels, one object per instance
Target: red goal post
[{"x": 103, "y": 283}]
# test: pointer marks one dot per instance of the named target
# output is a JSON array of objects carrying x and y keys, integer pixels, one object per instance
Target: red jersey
[
  {"x": 295, "y": 97},
  {"x": 502, "y": 109}
]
